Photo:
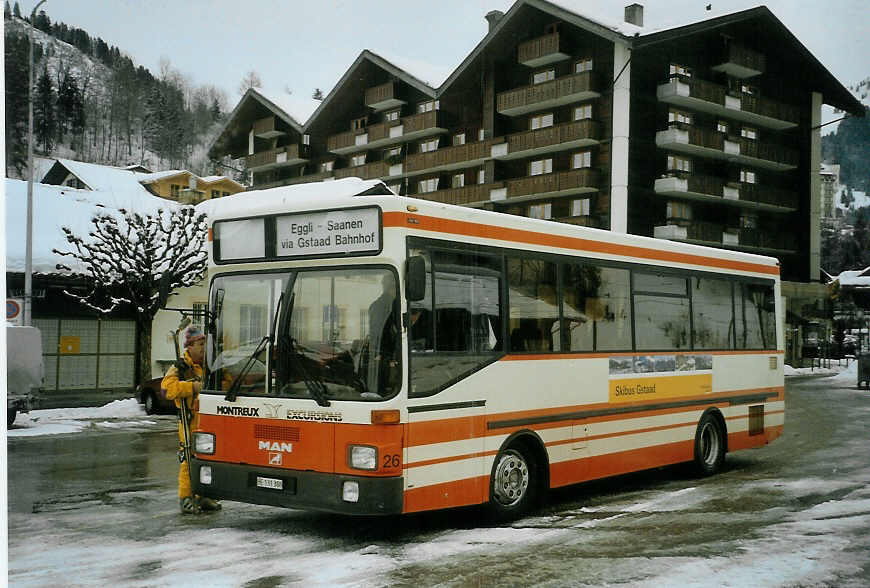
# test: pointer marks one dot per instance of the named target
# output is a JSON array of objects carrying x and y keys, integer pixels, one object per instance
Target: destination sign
[{"x": 337, "y": 232}]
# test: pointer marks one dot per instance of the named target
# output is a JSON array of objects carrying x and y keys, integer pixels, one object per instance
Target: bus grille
[{"x": 276, "y": 432}]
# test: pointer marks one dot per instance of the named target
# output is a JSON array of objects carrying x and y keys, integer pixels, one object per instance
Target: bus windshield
[{"x": 325, "y": 334}]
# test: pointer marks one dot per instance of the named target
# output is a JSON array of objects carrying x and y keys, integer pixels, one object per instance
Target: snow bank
[{"x": 57, "y": 421}]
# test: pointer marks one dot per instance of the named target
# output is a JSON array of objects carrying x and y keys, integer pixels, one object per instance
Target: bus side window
[{"x": 534, "y": 306}]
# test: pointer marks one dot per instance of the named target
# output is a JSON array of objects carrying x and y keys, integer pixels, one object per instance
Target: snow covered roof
[
  {"x": 287, "y": 198},
  {"x": 104, "y": 178},
  {"x": 161, "y": 175},
  {"x": 59, "y": 206},
  {"x": 299, "y": 108},
  {"x": 855, "y": 278}
]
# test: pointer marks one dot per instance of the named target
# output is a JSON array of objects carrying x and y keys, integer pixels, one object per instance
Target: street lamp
[{"x": 28, "y": 252}]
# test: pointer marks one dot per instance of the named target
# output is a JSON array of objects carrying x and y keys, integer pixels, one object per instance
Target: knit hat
[{"x": 192, "y": 334}]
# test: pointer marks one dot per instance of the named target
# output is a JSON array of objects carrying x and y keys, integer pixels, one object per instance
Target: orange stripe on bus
[
  {"x": 447, "y": 495},
  {"x": 457, "y": 227}
]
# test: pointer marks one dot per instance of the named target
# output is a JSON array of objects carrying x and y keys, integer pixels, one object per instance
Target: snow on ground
[{"x": 119, "y": 414}]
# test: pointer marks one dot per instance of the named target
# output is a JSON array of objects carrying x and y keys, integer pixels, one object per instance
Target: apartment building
[{"x": 705, "y": 133}]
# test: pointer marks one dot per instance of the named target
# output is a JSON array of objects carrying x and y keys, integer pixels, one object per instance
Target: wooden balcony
[
  {"x": 705, "y": 232},
  {"x": 280, "y": 157},
  {"x": 564, "y": 90},
  {"x": 581, "y": 133},
  {"x": 740, "y": 62},
  {"x": 465, "y": 196},
  {"x": 383, "y": 97},
  {"x": 267, "y": 128},
  {"x": 580, "y": 221},
  {"x": 715, "y": 145},
  {"x": 767, "y": 241},
  {"x": 541, "y": 51},
  {"x": 306, "y": 179},
  {"x": 576, "y": 181},
  {"x": 370, "y": 171},
  {"x": 712, "y": 233},
  {"x": 408, "y": 128},
  {"x": 449, "y": 158},
  {"x": 703, "y": 96},
  {"x": 713, "y": 189}
]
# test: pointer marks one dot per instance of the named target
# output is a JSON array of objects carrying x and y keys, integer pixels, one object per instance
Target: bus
[{"x": 369, "y": 353}]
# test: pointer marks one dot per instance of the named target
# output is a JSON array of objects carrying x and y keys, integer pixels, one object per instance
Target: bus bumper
[{"x": 299, "y": 489}]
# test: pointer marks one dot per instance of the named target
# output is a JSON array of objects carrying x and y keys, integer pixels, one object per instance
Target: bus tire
[
  {"x": 150, "y": 402},
  {"x": 709, "y": 445},
  {"x": 513, "y": 483}
]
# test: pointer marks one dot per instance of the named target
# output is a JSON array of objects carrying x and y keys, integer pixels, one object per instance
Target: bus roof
[{"x": 447, "y": 221}]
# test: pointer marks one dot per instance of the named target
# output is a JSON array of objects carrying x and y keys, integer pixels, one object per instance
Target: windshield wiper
[
  {"x": 316, "y": 388},
  {"x": 232, "y": 393}
]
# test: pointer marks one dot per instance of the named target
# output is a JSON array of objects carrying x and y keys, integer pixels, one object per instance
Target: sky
[{"x": 301, "y": 45}]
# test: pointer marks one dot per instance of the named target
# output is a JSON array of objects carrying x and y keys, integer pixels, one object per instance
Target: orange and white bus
[{"x": 376, "y": 354}]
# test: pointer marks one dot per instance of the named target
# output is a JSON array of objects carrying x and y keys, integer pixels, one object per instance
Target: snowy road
[{"x": 97, "y": 507}]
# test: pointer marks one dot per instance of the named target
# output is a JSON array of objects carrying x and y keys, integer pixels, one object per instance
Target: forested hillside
[
  {"x": 93, "y": 103},
  {"x": 850, "y": 144}
]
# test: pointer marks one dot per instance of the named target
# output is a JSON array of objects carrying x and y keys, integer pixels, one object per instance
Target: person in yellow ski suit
[{"x": 185, "y": 387}]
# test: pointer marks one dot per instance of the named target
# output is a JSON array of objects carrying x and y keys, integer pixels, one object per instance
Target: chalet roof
[
  {"x": 855, "y": 278},
  {"x": 104, "y": 178},
  {"x": 162, "y": 175}
]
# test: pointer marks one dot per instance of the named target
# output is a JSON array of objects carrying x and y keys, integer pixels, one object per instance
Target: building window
[
  {"x": 225, "y": 193},
  {"x": 429, "y": 185},
  {"x": 541, "y": 211},
  {"x": 722, "y": 127},
  {"x": 458, "y": 181},
  {"x": 481, "y": 176},
  {"x": 427, "y": 106},
  {"x": 175, "y": 190},
  {"x": 481, "y": 134},
  {"x": 680, "y": 70},
  {"x": 582, "y": 159},
  {"x": 748, "y": 133},
  {"x": 459, "y": 139},
  {"x": 327, "y": 166},
  {"x": 747, "y": 176},
  {"x": 539, "y": 77},
  {"x": 748, "y": 221},
  {"x": 583, "y": 65},
  {"x": 358, "y": 159},
  {"x": 427, "y": 146},
  {"x": 541, "y": 121},
  {"x": 581, "y": 207},
  {"x": 678, "y": 117},
  {"x": 306, "y": 139},
  {"x": 358, "y": 124},
  {"x": 679, "y": 164},
  {"x": 394, "y": 152},
  {"x": 392, "y": 115},
  {"x": 583, "y": 112},
  {"x": 215, "y": 193},
  {"x": 541, "y": 166}
]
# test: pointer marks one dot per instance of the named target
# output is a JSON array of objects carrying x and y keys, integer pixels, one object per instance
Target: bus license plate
[{"x": 271, "y": 483}]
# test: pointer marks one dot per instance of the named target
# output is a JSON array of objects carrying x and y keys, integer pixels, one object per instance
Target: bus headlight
[
  {"x": 363, "y": 457},
  {"x": 205, "y": 475},
  {"x": 203, "y": 443}
]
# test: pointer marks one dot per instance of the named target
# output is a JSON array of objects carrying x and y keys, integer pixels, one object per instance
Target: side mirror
[{"x": 415, "y": 278}]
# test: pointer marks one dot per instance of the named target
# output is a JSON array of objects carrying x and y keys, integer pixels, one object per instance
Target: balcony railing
[
  {"x": 408, "y": 128},
  {"x": 306, "y": 179},
  {"x": 710, "y": 185},
  {"x": 449, "y": 157},
  {"x": 266, "y": 128},
  {"x": 570, "y": 134},
  {"x": 461, "y": 196},
  {"x": 768, "y": 152},
  {"x": 768, "y": 195},
  {"x": 705, "y": 96},
  {"x": 369, "y": 171},
  {"x": 580, "y": 180},
  {"x": 572, "y": 88},
  {"x": 767, "y": 240},
  {"x": 541, "y": 51},
  {"x": 715, "y": 145},
  {"x": 741, "y": 62},
  {"x": 581, "y": 221},
  {"x": 383, "y": 96},
  {"x": 281, "y": 156},
  {"x": 705, "y": 231}
]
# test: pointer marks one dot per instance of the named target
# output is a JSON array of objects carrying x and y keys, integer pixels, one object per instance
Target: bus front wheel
[
  {"x": 709, "y": 445},
  {"x": 513, "y": 483}
]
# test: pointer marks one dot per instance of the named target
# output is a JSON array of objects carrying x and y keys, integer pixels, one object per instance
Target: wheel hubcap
[
  {"x": 511, "y": 478},
  {"x": 709, "y": 444}
]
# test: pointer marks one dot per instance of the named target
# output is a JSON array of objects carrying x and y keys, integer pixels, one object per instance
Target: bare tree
[
  {"x": 139, "y": 260},
  {"x": 251, "y": 80}
]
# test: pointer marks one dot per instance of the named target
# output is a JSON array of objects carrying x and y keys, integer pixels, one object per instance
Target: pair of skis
[{"x": 184, "y": 454}]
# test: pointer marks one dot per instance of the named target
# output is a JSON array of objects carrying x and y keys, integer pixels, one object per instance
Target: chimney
[
  {"x": 634, "y": 14},
  {"x": 493, "y": 16}
]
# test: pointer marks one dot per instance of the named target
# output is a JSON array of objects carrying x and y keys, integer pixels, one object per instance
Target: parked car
[
  {"x": 154, "y": 398},
  {"x": 24, "y": 370}
]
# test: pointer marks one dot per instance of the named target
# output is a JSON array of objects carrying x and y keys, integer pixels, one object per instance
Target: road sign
[{"x": 15, "y": 311}]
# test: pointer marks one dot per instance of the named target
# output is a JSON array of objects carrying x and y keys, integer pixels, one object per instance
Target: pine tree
[
  {"x": 7, "y": 12},
  {"x": 44, "y": 118},
  {"x": 216, "y": 113},
  {"x": 17, "y": 97},
  {"x": 16, "y": 11},
  {"x": 42, "y": 22}
]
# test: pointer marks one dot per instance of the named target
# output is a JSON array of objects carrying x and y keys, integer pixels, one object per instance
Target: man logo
[
  {"x": 275, "y": 446},
  {"x": 272, "y": 410},
  {"x": 276, "y": 459}
]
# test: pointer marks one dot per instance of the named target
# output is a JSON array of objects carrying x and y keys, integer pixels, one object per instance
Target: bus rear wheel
[
  {"x": 513, "y": 483},
  {"x": 709, "y": 445}
]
